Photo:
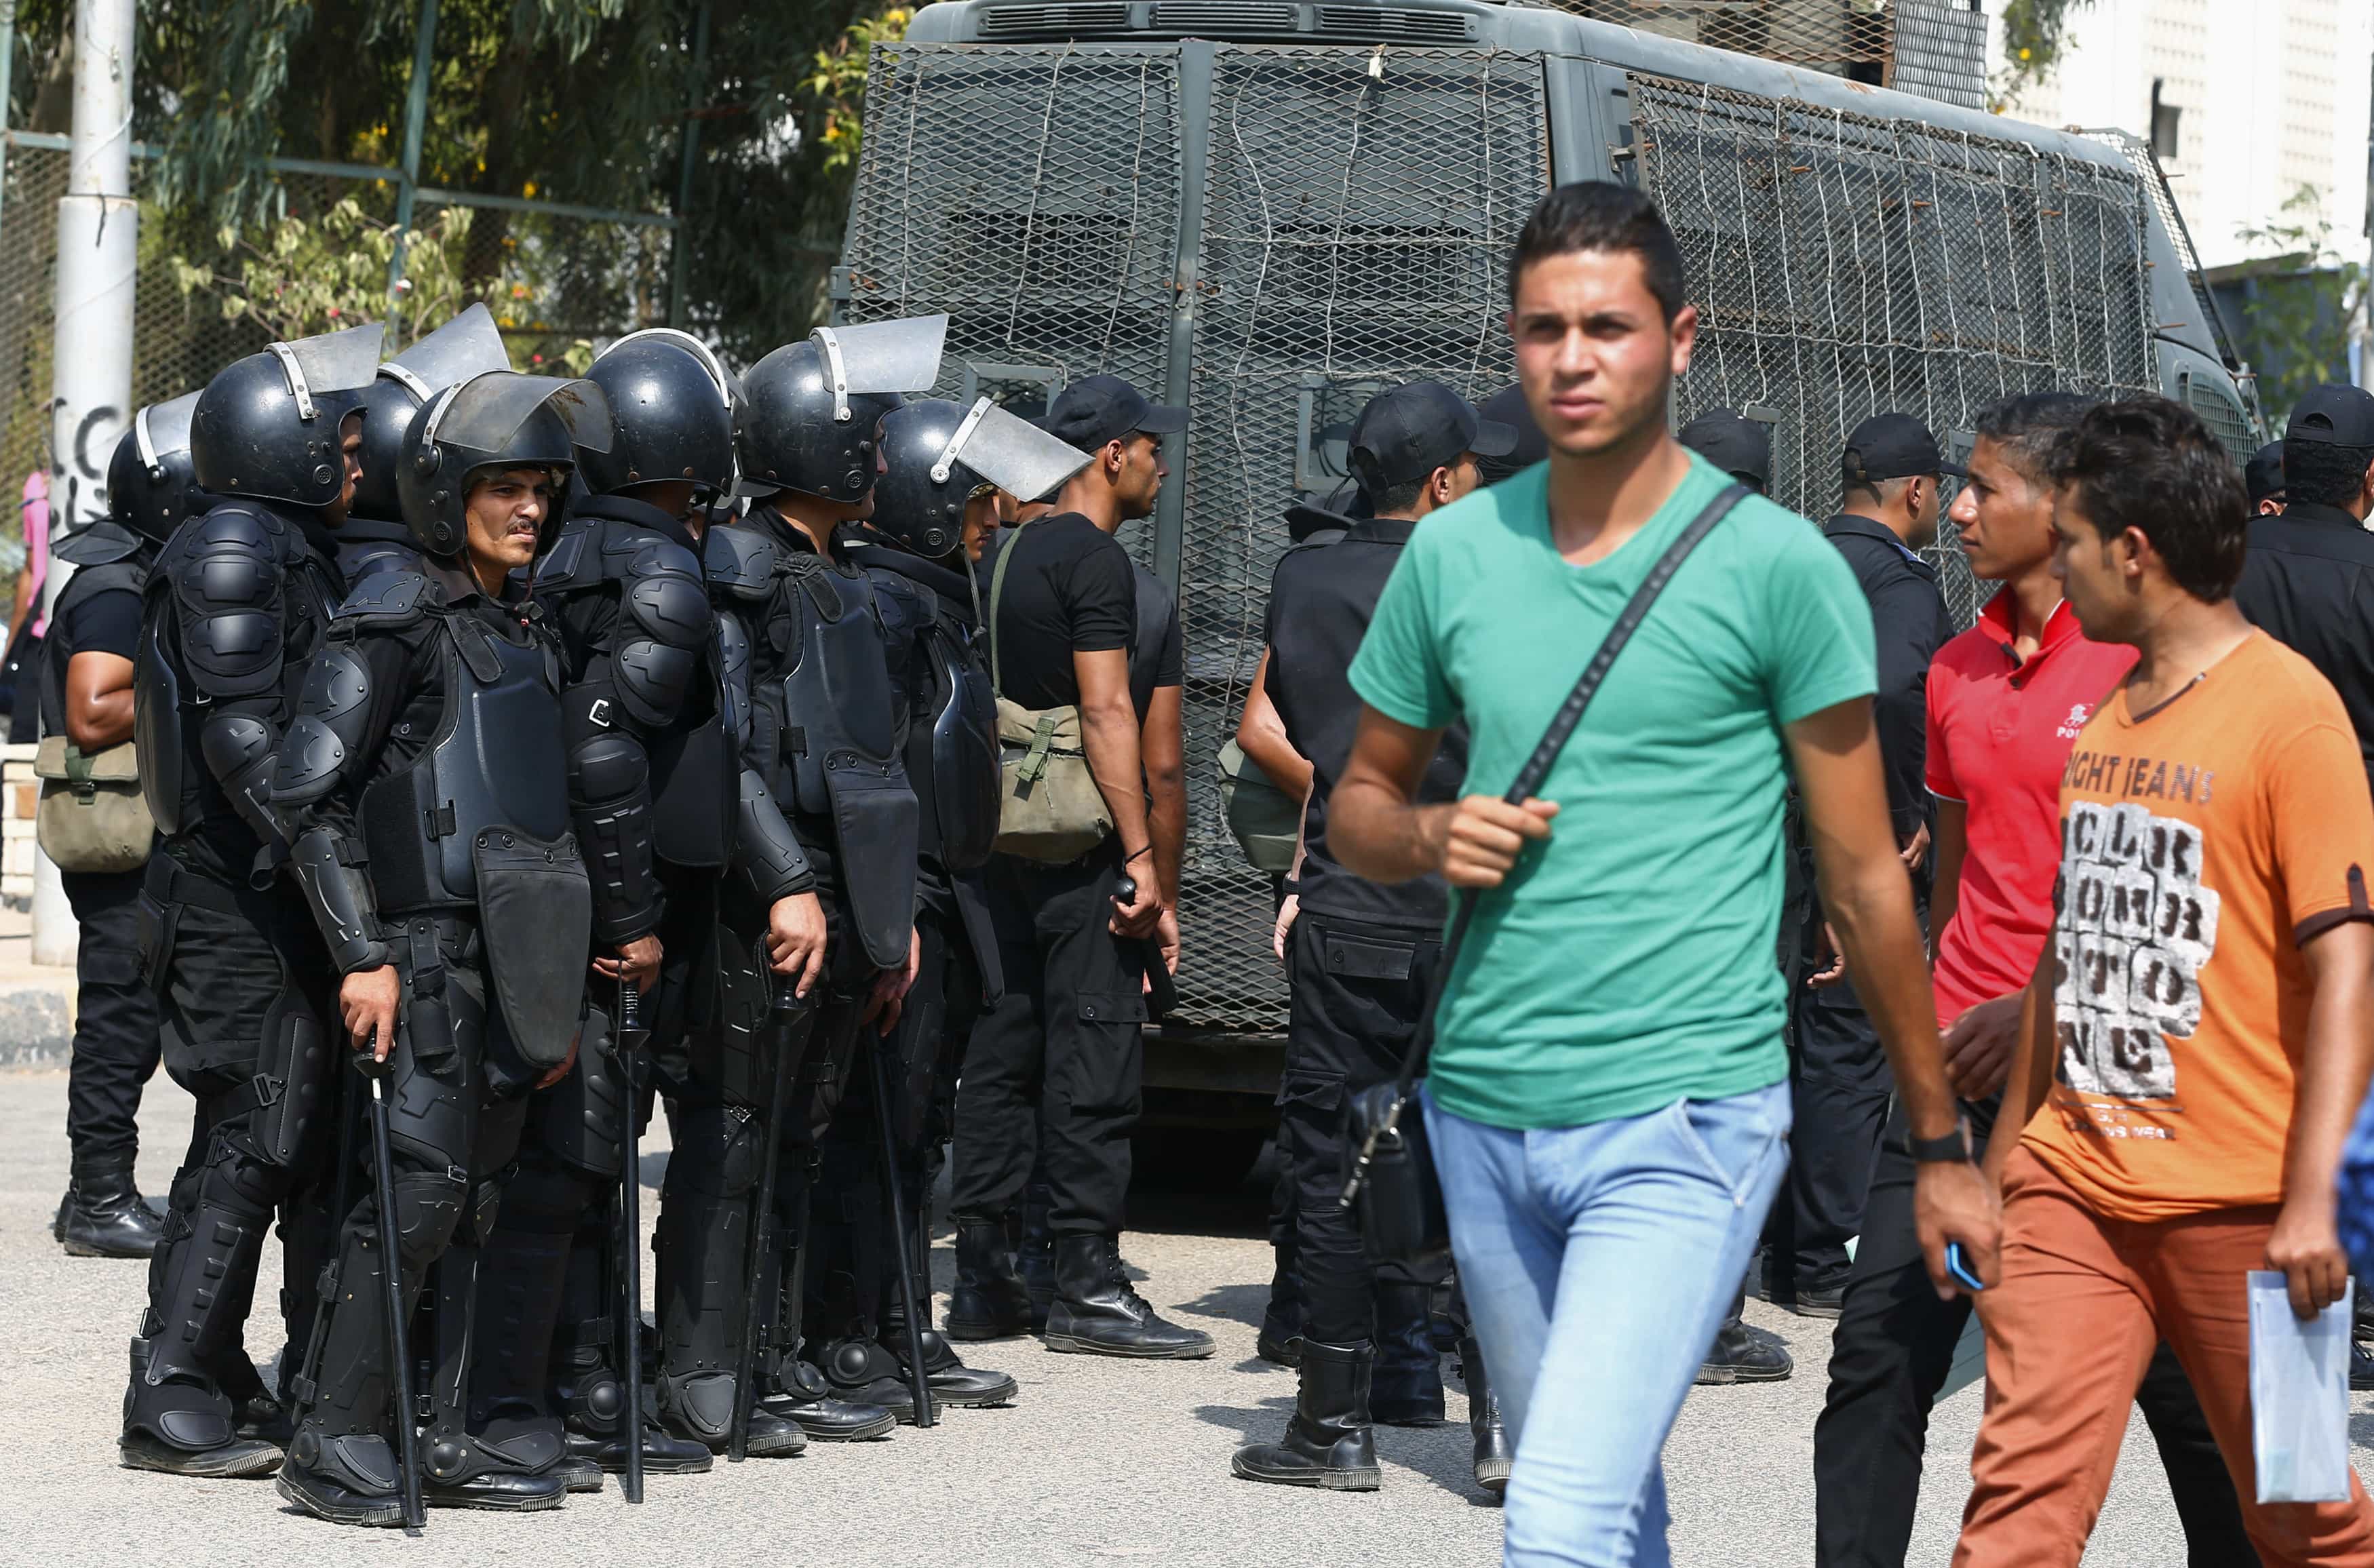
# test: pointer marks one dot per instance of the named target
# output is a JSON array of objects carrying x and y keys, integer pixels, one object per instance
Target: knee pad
[
  {"x": 291, "y": 1089},
  {"x": 718, "y": 1150},
  {"x": 429, "y": 1207}
]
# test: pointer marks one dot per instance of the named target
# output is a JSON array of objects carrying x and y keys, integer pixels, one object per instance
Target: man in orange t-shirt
[{"x": 2201, "y": 1032}]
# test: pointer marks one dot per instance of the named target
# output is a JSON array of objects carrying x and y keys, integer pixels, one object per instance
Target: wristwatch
[{"x": 1954, "y": 1148}]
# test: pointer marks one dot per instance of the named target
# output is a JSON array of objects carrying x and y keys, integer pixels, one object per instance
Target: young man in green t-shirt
[{"x": 1608, "y": 1098}]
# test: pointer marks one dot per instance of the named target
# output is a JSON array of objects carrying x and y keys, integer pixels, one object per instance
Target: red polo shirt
[{"x": 2000, "y": 733}]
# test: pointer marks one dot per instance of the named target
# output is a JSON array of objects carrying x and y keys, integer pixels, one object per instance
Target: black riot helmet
[
  {"x": 495, "y": 421},
  {"x": 151, "y": 484},
  {"x": 671, "y": 404},
  {"x": 806, "y": 417},
  {"x": 465, "y": 346},
  {"x": 267, "y": 426},
  {"x": 935, "y": 454}
]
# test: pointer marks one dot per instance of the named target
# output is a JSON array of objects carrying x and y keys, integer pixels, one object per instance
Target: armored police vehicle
[{"x": 1267, "y": 210}]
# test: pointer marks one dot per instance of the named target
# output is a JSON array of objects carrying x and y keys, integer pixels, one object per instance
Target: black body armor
[
  {"x": 237, "y": 602},
  {"x": 825, "y": 681}
]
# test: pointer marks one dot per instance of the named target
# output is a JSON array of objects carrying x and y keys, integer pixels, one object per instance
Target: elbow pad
[
  {"x": 338, "y": 893},
  {"x": 609, "y": 792},
  {"x": 323, "y": 738},
  {"x": 767, "y": 853},
  {"x": 239, "y": 751}
]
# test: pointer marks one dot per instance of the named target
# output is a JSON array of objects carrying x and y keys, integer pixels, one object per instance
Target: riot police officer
[
  {"x": 86, "y": 697},
  {"x": 655, "y": 790},
  {"x": 826, "y": 729},
  {"x": 374, "y": 538},
  {"x": 936, "y": 457},
  {"x": 426, "y": 767},
  {"x": 237, "y": 602}
]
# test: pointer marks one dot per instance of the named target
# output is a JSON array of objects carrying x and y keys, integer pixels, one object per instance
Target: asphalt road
[{"x": 1097, "y": 1460}]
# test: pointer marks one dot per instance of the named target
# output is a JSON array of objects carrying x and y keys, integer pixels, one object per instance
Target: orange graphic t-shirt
[{"x": 2201, "y": 845}]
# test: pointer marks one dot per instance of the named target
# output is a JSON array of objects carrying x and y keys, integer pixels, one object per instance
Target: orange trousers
[{"x": 2082, "y": 1302}]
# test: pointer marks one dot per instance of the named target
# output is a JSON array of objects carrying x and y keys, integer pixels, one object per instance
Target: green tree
[
  {"x": 2033, "y": 32},
  {"x": 2301, "y": 300}
]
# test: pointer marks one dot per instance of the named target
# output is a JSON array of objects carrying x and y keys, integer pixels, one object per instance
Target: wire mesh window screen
[
  {"x": 1845, "y": 266},
  {"x": 1818, "y": 32},
  {"x": 2224, "y": 415},
  {"x": 1033, "y": 192},
  {"x": 1356, "y": 230}
]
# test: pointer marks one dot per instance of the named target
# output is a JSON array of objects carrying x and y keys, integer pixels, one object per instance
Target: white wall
[{"x": 2274, "y": 96}]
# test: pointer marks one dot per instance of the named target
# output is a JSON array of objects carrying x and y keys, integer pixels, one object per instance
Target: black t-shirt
[
  {"x": 1070, "y": 589},
  {"x": 2309, "y": 582},
  {"x": 1156, "y": 655},
  {"x": 1321, "y": 601},
  {"x": 104, "y": 622}
]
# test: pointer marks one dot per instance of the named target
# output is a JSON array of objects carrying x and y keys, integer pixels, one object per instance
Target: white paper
[{"x": 2299, "y": 1395}]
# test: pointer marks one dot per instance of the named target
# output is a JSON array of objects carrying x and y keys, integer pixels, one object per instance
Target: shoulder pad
[
  {"x": 330, "y": 716},
  {"x": 905, "y": 606},
  {"x": 388, "y": 598},
  {"x": 96, "y": 544},
  {"x": 738, "y": 560},
  {"x": 669, "y": 607},
  {"x": 108, "y": 577},
  {"x": 564, "y": 566},
  {"x": 228, "y": 578}
]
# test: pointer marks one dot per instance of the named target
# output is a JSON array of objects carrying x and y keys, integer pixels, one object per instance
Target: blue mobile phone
[{"x": 1957, "y": 1263}]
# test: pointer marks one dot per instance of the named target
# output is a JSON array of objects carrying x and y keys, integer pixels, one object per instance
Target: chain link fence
[
  {"x": 1355, "y": 216},
  {"x": 1845, "y": 266}
]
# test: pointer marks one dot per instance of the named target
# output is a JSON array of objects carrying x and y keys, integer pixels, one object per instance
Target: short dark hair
[
  {"x": 1396, "y": 498},
  {"x": 1880, "y": 490},
  {"x": 2323, "y": 474},
  {"x": 1595, "y": 214},
  {"x": 2027, "y": 426},
  {"x": 2149, "y": 463}
]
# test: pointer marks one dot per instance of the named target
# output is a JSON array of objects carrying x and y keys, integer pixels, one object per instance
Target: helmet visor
[
  {"x": 883, "y": 356},
  {"x": 163, "y": 428},
  {"x": 1010, "y": 452},
  {"x": 484, "y": 418},
  {"x": 465, "y": 346},
  {"x": 328, "y": 366}
]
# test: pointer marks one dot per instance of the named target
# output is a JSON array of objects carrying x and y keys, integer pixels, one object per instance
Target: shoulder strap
[
  {"x": 1569, "y": 714},
  {"x": 996, "y": 588}
]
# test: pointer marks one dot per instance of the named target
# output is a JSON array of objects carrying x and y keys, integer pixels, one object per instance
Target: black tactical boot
[
  {"x": 347, "y": 1480},
  {"x": 1738, "y": 1356},
  {"x": 594, "y": 1409},
  {"x": 950, "y": 1380},
  {"x": 504, "y": 1455},
  {"x": 803, "y": 1396},
  {"x": 1095, "y": 1311},
  {"x": 990, "y": 1301},
  {"x": 1495, "y": 1455},
  {"x": 859, "y": 1371},
  {"x": 1328, "y": 1441},
  {"x": 1035, "y": 1259},
  {"x": 1407, "y": 1389},
  {"x": 104, "y": 1215},
  {"x": 177, "y": 1416},
  {"x": 342, "y": 1465}
]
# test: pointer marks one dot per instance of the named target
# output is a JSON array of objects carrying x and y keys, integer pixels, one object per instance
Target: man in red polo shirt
[{"x": 2005, "y": 701}]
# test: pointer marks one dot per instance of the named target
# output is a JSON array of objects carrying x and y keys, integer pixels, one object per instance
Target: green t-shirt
[{"x": 1629, "y": 962}]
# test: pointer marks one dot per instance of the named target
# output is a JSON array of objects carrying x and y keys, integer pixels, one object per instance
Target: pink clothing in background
[{"x": 37, "y": 542}]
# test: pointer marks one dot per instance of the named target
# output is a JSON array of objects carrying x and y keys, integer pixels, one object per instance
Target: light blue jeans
[{"x": 1598, "y": 1262}]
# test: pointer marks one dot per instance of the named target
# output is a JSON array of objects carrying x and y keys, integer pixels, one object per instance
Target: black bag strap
[{"x": 1531, "y": 777}]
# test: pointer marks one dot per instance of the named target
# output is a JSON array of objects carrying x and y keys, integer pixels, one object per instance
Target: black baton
[
  {"x": 630, "y": 1241},
  {"x": 783, "y": 1009},
  {"x": 399, "y": 1353}
]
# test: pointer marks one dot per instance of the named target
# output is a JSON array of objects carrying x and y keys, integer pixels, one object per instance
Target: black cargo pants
[
  {"x": 115, "y": 1049},
  {"x": 1890, "y": 1354},
  {"x": 1059, "y": 1063},
  {"x": 1358, "y": 989}
]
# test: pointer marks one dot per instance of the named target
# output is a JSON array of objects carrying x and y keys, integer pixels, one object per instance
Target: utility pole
[{"x": 99, "y": 232}]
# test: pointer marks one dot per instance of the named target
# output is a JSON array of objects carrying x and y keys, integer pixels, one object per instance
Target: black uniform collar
[
  {"x": 795, "y": 538},
  {"x": 2317, "y": 512},
  {"x": 642, "y": 514},
  {"x": 1846, "y": 524},
  {"x": 376, "y": 530},
  {"x": 943, "y": 580},
  {"x": 1381, "y": 530}
]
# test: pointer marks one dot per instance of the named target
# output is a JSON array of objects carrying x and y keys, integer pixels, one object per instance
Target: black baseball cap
[
  {"x": 1734, "y": 443},
  {"x": 1097, "y": 409},
  {"x": 2341, "y": 415},
  {"x": 1508, "y": 406},
  {"x": 2264, "y": 474},
  {"x": 1407, "y": 432},
  {"x": 1892, "y": 446}
]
